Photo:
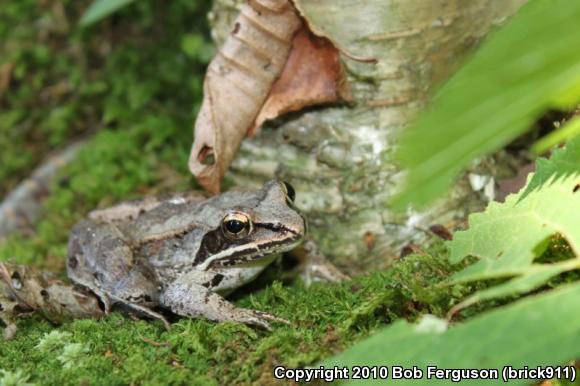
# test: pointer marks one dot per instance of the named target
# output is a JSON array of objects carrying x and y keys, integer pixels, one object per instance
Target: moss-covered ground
[
  {"x": 131, "y": 86},
  {"x": 325, "y": 319}
]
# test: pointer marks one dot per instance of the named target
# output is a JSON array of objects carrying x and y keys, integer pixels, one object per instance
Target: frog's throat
[{"x": 250, "y": 252}]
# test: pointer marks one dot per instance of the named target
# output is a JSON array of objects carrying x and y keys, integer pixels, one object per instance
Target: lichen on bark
[{"x": 340, "y": 157}]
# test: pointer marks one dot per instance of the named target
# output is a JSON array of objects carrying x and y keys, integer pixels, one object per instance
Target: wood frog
[{"x": 185, "y": 254}]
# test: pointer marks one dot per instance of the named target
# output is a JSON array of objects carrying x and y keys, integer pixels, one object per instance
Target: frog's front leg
[{"x": 188, "y": 297}]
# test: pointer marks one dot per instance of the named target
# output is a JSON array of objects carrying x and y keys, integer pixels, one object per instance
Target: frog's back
[
  {"x": 164, "y": 221},
  {"x": 176, "y": 218}
]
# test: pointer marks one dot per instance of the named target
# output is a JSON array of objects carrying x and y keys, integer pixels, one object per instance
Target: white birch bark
[{"x": 340, "y": 158}]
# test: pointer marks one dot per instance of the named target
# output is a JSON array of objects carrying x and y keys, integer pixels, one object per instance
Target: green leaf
[
  {"x": 537, "y": 331},
  {"x": 560, "y": 165},
  {"x": 508, "y": 237},
  {"x": 524, "y": 69},
  {"x": 534, "y": 277},
  {"x": 100, "y": 9},
  {"x": 570, "y": 130}
]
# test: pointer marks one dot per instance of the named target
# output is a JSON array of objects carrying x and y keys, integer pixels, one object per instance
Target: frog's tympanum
[{"x": 185, "y": 254}]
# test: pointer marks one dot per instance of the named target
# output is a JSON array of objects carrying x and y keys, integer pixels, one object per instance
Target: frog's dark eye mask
[{"x": 222, "y": 247}]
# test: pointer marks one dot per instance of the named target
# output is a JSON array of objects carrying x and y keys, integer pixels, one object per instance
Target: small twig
[
  {"x": 23, "y": 205},
  {"x": 155, "y": 343}
]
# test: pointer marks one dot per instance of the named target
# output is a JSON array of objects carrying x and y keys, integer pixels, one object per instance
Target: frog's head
[{"x": 252, "y": 226}]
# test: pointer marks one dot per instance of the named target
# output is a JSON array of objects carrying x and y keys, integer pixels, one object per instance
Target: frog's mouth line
[
  {"x": 252, "y": 252},
  {"x": 240, "y": 257}
]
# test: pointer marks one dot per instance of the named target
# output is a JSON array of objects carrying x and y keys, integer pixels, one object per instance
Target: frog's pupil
[{"x": 235, "y": 226}]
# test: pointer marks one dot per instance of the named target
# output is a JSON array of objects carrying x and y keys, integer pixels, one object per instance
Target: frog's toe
[
  {"x": 143, "y": 311},
  {"x": 260, "y": 319},
  {"x": 272, "y": 318},
  {"x": 257, "y": 322}
]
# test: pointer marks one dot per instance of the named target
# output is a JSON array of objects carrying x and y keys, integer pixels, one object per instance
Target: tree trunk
[{"x": 340, "y": 158}]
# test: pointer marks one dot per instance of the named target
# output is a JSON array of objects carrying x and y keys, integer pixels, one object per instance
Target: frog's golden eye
[{"x": 236, "y": 225}]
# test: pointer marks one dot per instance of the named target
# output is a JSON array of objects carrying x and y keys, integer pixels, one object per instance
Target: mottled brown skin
[
  {"x": 184, "y": 254},
  {"x": 24, "y": 290}
]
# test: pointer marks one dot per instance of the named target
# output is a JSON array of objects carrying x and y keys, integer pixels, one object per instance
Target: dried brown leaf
[
  {"x": 441, "y": 231},
  {"x": 313, "y": 75},
  {"x": 238, "y": 81},
  {"x": 271, "y": 64}
]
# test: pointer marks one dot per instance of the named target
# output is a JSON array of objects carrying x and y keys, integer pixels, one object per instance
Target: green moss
[
  {"x": 325, "y": 319},
  {"x": 17, "y": 378},
  {"x": 128, "y": 70}
]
